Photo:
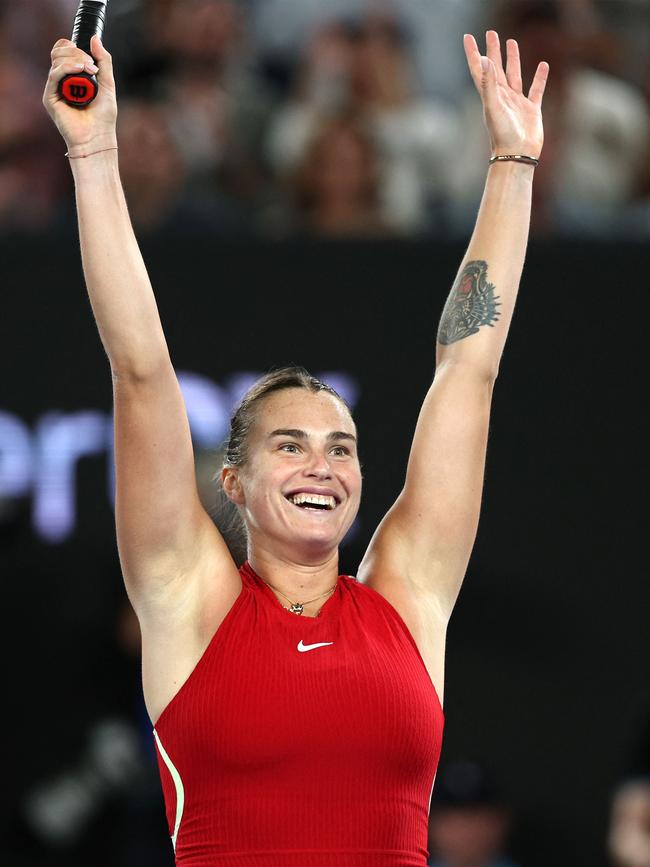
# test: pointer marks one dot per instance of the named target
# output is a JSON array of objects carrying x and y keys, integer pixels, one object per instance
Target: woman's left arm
[{"x": 424, "y": 543}]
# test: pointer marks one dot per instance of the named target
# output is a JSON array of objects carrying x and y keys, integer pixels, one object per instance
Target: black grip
[
  {"x": 89, "y": 22},
  {"x": 79, "y": 89}
]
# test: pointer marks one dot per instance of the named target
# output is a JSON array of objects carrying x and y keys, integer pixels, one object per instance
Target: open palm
[{"x": 513, "y": 120}]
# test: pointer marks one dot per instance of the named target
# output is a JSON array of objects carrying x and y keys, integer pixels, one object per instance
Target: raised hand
[
  {"x": 513, "y": 120},
  {"x": 93, "y": 126}
]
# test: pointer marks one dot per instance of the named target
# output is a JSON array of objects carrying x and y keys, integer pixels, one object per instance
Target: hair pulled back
[{"x": 235, "y": 452}]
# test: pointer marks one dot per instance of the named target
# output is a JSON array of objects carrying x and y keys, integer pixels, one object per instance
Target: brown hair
[
  {"x": 235, "y": 452},
  {"x": 303, "y": 181}
]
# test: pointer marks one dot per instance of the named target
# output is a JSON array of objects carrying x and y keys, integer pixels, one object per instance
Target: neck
[{"x": 299, "y": 581}]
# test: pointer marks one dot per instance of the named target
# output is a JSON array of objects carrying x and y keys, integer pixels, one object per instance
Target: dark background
[{"x": 547, "y": 664}]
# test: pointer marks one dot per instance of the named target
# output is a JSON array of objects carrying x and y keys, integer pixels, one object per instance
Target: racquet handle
[{"x": 80, "y": 88}]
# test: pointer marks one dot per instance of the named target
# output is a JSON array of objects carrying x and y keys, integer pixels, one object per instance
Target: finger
[
  {"x": 513, "y": 68},
  {"x": 90, "y": 68},
  {"x": 489, "y": 81},
  {"x": 473, "y": 56},
  {"x": 72, "y": 53},
  {"x": 493, "y": 51},
  {"x": 80, "y": 60},
  {"x": 60, "y": 42},
  {"x": 538, "y": 86},
  {"x": 57, "y": 73}
]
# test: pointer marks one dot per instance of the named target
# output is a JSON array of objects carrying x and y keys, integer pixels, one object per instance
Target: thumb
[{"x": 103, "y": 59}]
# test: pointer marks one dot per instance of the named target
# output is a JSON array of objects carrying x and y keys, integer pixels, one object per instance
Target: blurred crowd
[{"x": 277, "y": 118}]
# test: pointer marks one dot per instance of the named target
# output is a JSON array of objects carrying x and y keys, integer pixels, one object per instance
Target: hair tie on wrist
[
  {"x": 83, "y": 156},
  {"x": 518, "y": 158}
]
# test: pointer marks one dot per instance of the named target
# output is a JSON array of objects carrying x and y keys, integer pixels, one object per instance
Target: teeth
[{"x": 316, "y": 499}]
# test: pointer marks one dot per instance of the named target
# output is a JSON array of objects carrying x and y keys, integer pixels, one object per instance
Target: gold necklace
[{"x": 297, "y": 607}]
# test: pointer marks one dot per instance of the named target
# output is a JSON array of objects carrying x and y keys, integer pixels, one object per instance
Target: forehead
[{"x": 317, "y": 412}]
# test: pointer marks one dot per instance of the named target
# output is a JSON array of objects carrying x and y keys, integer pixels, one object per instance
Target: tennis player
[{"x": 297, "y": 713}]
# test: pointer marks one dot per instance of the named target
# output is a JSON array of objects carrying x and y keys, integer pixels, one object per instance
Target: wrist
[
  {"x": 80, "y": 150},
  {"x": 100, "y": 168},
  {"x": 510, "y": 173}
]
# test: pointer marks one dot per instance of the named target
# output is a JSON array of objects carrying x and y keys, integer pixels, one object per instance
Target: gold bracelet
[
  {"x": 518, "y": 158},
  {"x": 83, "y": 156}
]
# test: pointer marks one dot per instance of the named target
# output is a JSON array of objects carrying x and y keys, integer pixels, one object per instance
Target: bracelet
[
  {"x": 83, "y": 156},
  {"x": 518, "y": 158}
]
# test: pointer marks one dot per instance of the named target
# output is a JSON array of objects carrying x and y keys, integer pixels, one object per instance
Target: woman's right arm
[{"x": 164, "y": 534}]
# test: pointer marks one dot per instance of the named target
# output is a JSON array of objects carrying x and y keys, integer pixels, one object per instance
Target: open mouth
[{"x": 313, "y": 502}]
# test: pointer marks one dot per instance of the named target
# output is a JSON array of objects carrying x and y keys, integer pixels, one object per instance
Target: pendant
[{"x": 296, "y": 608}]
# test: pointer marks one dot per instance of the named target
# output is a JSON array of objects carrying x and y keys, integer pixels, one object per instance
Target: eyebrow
[{"x": 296, "y": 434}]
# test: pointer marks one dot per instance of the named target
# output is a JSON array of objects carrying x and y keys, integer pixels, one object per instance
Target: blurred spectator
[
  {"x": 597, "y": 133},
  {"x": 31, "y": 24},
  {"x": 151, "y": 168},
  {"x": 636, "y": 220},
  {"x": 154, "y": 178},
  {"x": 282, "y": 27},
  {"x": 322, "y": 88},
  {"x": 218, "y": 106},
  {"x": 596, "y": 47},
  {"x": 629, "y": 832},
  {"x": 468, "y": 823},
  {"x": 198, "y": 39},
  {"x": 221, "y": 67},
  {"x": 614, "y": 36},
  {"x": 364, "y": 66},
  {"x": 336, "y": 185},
  {"x": 33, "y": 170}
]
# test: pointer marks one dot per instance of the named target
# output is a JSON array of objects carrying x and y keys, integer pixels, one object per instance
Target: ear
[{"x": 232, "y": 486}]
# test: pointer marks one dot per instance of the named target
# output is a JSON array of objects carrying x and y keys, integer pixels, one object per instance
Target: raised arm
[
  {"x": 164, "y": 535},
  {"x": 420, "y": 551}
]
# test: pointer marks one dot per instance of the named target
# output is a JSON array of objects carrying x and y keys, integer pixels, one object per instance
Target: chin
[{"x": 318, "y": 539}]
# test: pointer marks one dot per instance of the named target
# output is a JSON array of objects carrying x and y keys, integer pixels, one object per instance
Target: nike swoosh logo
[{"x": 302, "y": 647}]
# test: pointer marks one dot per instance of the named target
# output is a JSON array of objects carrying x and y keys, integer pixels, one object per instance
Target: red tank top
[{"x": 302, "y": 741}]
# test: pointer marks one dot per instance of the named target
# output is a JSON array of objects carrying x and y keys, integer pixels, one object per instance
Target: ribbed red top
[{"x": 272, "y": 756}]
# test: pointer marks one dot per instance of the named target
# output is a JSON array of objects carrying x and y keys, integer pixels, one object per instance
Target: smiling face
[{"x": 300, "y": 488}]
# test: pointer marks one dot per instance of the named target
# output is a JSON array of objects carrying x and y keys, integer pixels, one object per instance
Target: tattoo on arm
[{"x": 471, "y": 303}]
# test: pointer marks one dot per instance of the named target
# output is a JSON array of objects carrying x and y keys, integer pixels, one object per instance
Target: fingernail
[{"x": 92, "y": 68}]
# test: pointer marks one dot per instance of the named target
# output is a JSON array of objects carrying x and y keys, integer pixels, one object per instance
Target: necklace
[{"x": 297, "y": 607}]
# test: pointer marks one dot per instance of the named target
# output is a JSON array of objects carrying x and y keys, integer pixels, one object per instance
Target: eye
[
  {"x": 290, "y": 448},
  {"x": 341, "y": 451}
]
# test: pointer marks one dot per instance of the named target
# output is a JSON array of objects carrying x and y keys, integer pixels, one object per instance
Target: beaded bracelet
[
  {"x": 518, "y": 158},
  {"x": 83, "y": 156}
]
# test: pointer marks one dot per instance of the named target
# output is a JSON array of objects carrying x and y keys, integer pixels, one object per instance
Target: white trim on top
[{"x": 178, "y": 783}]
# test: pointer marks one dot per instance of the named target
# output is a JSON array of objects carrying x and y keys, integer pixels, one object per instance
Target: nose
[{"x": 318, "y": 466}]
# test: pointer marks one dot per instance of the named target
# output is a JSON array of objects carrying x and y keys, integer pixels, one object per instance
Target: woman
[
  {"x": 304, "y": 740},
  {"x": 336, "y": 185}
]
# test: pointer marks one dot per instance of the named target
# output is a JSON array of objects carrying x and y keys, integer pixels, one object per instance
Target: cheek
[
  {"x": 355, "y": 479},
  {"x": 262, "y": 483}
]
